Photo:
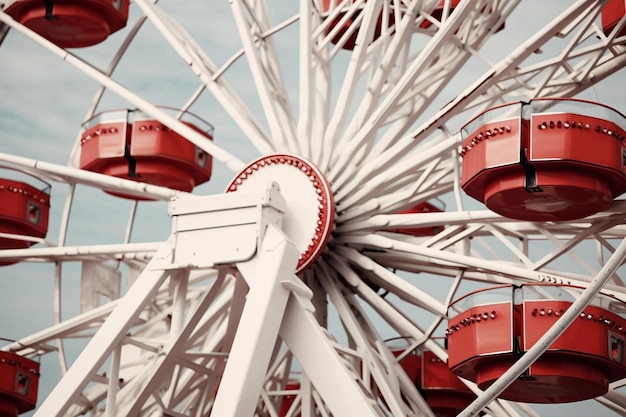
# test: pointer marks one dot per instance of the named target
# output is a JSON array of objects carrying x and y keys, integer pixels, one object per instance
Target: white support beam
[
  {"x": 179, "y": 337},
  {"x": 256, "y": 334},
  {"x": 310, "y": 344},
  {"x": 68, "y": 391}
]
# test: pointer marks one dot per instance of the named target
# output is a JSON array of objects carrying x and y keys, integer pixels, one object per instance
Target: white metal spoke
[
  {"x": 250, "y": 355},
  {"x": 434, "y": 59},
  {"x": 209, "y": 74},
  {"x": 379, "y": 364},
  {"x": 253, "y": 22}
]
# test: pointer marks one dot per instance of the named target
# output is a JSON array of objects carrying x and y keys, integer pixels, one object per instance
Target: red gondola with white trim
[
  {"x": 444, "y": 392},
  {"x": 24, "y": 212},
  {"x": 71, "y": 23},
  {"x": 130, "y": 145},
  {"x": 547, "y": 160},
  {"x": 490, "y": 329}
]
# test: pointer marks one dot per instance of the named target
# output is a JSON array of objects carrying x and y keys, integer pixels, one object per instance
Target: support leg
[
  {"x": 336, "y": 384},
  {"x": 262, "y": 314}
]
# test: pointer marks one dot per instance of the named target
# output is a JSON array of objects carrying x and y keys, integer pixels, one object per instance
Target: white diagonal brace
[
  {"x": 108, "y": 337},
  {"x": 179, "y": 339},
  {"x": 338, "y": 387},
  {"x": 257, "y": 332}
]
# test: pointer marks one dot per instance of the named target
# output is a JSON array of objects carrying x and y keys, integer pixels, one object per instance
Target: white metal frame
[{"x": 381, "y": 157}]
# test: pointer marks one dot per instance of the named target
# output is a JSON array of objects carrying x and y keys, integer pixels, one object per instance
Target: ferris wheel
[{"x": 313, "y": 208}]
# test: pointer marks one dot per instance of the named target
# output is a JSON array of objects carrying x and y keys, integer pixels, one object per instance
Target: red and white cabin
[
  {"x": 289, "y": 399},
  {"x": 546, "y": 160},
  {"x": 128, "y": 144},
  {"x": 344, "y": 18},
  {"x": 70, "y": 23},
  {"x": 24, "y": 211},
  {"x": 444, "y": 392},
  {"x": 19, "y": 384},
  {"x": 423, "y": 207},
  {"x": 489, "y": 329}
]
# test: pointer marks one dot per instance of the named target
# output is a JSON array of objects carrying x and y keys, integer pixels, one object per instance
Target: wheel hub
[{"x": 310, "y": 213}]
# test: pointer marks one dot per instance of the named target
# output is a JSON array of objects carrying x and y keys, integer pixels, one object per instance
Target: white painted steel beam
[
  {"x": 108, "y": 338},
  {"x": 340, "y": 390},
  {"x": 253, "y": 21},
  {"x": 258, "y": 326}
]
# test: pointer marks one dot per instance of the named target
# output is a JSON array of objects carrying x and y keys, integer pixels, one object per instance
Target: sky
[{"x": 43, "y": 102}]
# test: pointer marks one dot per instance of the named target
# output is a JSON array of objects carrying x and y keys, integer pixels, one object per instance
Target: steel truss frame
[{"x": 384, "y": 158}]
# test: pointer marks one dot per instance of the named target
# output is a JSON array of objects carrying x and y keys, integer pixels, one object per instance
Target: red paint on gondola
[
  {"x": 546, "y": 167},
  {"x": 24, "y": 211},
  {"x": 346, "y": 22},
  {"x": 19, "y": 384},
  {"x": 289, "y": 399},
  {"x": 71, "y": 23},
  {"x": 443, "y": 391},
  {"x": 485, "y": 340},
  {"x": 145, "y": 151},
  {"x": 612, "y": 12}
]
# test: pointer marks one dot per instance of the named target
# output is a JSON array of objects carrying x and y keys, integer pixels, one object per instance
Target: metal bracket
[{"x": 223, "y": 229}]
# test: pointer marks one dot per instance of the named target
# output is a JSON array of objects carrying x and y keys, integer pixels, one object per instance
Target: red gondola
[
  {"x": 528, "y": 163},
  {"x": 612, "y": 12},
  {"x": 345, "y": 21},
  {"x": 444, "y": 392},
  {"x": 24, "y": 211},
  {"x": 127, "y": 145},
  {"x": 446, "y": 395},
  {"x": 486, "y": 337},
  {"x": 423, "y": 207},
  {"x": 19, "y": 384},
  {"x": 71, "y": 23},
  {"x": 289, "y": 399}
]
